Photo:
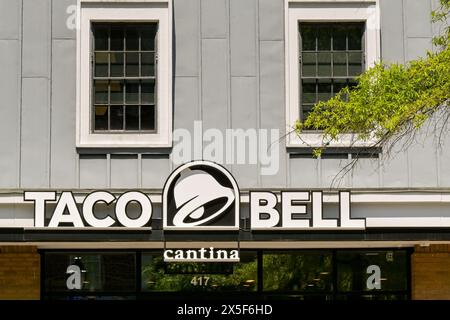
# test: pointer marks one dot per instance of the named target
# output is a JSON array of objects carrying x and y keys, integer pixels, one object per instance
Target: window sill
[
  {"x": 123, "y": 146},
  {"x": 125, "y": 141}
]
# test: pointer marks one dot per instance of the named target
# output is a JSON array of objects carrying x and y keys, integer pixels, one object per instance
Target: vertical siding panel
[
  {"x": 186, "y": 102},
  {"x": 418, "y": 30},
  {"x": 124, "y": 171},
  {"x": 214, "y": 84},
  {"x": 417, "y": 47},
  {"x": 244, "y": 116},
  {"x": 35, "y": 147},
  {"x": 187, "y": 35},
  {"x": 214, "y": 18},
  {"x": 303, "y": 172},
  {"x": 63, "y": 17},
  {"x": 366, "y": 174},
  {"x": 186, "y": 111},
  {"x": 395, "y": 168},
  {"x": 9, "y": 105},
  {"x": 215, "y": 91},
  {"x": 271, "y": 19},
  {"x": 331, "y": 175},
  {"x": 155, "y": 171},
  {"x": 243, "y": 37},
  {"x": 93, "y": 171},
  {"x": 392, "y": 37},
  {"x": 63, "y": 152},
  {"x": 36, "y": 38},
  {"x": 418, "y": 18},
  {"x": 272, "y": 104},
  {"x": 10, "y": 11},
  {"x": 422, "y": 161}
]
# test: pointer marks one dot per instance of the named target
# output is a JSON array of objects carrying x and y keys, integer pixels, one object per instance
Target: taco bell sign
[{"x": 199, "y": 195}]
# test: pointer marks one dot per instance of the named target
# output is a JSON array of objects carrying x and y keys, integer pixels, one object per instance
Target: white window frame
[
  {"x": 297, "y": 11},
  {"x": 90, "y": 11}
]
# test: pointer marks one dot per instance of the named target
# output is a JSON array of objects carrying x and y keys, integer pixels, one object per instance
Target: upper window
[
  {"x": 328, "y": 44},
  {"x": 124, "y": 95},
  {"x": 124, "y": 77},
  {"x": 331, "y": 57}
]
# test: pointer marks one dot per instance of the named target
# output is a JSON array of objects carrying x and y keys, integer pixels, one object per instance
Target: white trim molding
[
  {"x": 124, "y": 10},
  {"x": 324, "y": 11}
]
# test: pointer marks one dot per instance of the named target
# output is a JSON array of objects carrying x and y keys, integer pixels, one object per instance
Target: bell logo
[{"x": 201, "y": 195}]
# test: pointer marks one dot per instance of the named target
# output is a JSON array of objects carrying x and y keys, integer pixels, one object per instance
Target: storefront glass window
[
  {"x": 276, "y": 274},
  {"x": 74, "y": 273},
  {"x": 371, "y": 271},
  {"x": 158, "y": 276},
  {"x": 298, "y": 271}
]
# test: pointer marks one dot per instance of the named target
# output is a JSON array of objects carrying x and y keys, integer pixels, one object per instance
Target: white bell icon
[{"x": 192, "y": 191}]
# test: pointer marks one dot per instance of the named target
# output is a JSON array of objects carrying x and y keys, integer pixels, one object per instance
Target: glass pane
[
  {"x": 308, "y": 37},
  {"x": 132, "y": 64},
  {"x": 306, "y": 110},
  {"x": 324, "y": 89},
  {"x": 101, "y": 118},
  {"x": 101, "y": 91},
  {"x": 355, "y": 37},
  {"x": 148, "y": 34},
  {"x": 101, "y": 64},
  {"x": 308, "y": 91},
  {"x": 132, "y": 95},
  {"x": 339, "y": 64},
  {"x": 324, "y": 38},
  {"x": 132, "y": 118},
  {"x": 324, "y": 64},
  {"x": 309, "y": 64},
  {"x": 116, "y": 88},
  {"x": 116, "y": 64},
  {"x": 148, "y": 92},
  {"x": 297, "y": 271},
  {"x": 377, "y": 271},
  {"x": 132, "y": 39},
  {"x": 148, "y": 118},
  {"x": 116, "y": 117},
  {"x": 352, "y": 84},
  {"x": 339, "y": 38},
  {"x": 354, "y": 63},
  {"x": 117, "y": 39},
  {"x": 101, "y": 38},
  {"x": 108, "y": 272},
  {"x": 158, "y": 276},
  {"x": 338, "y": 85},
  {"x": 148, "y": 64}
]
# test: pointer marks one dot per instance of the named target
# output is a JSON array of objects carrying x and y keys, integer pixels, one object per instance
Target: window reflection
[
  {"x": 294, "y": 271},
  {"x": 358, "y": 271},
  {"x": 113, "y": 272},
  {"x": 158, "y": 276}
]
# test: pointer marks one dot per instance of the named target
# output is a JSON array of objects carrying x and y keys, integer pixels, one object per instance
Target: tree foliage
[{"x": 390, "y": 101}]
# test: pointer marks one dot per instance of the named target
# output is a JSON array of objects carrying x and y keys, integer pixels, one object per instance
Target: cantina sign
[{"x": 198, "y": 196}]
